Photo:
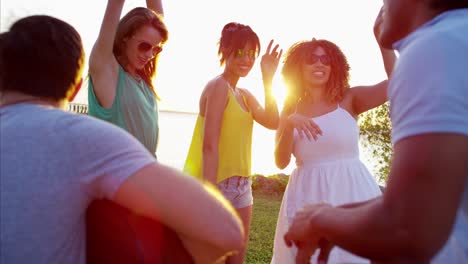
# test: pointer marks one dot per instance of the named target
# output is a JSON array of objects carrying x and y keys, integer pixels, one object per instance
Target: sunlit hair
[
  {"x": 128, "y": 25},
  {"x": 292, "y": 71},
  {"x": 41, "y": 56},
  {"x": 444, "y": 5},
  {"x": 235, "y": 36}
]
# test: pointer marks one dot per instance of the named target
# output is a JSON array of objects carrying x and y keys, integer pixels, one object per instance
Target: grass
[{"x": 262, "y": 228}]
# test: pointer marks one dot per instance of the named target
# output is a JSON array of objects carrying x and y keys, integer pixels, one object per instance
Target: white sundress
[{"x": 327, "y": 170}]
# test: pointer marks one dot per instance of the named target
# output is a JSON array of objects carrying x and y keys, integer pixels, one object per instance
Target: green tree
[{"x": 375, "y": 130}]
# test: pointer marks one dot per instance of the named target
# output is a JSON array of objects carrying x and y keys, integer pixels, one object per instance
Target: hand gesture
[
  {"x": 270, "y": 61},
  {"x": 305, "y": 237},
  {"x": 305, "y": 126}
]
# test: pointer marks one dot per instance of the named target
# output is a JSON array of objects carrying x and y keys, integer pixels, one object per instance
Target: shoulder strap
[{"x": 244, "y": 100}]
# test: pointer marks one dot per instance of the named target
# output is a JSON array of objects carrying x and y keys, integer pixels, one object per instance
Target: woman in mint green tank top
[
  {"x": 121, "y": 68},
  {"x": 220, "y": 151},
  {"x": 120, "y": 90}
]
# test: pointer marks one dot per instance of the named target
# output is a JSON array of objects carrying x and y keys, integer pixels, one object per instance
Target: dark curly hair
[
  {"x": 292, "y": 74},
  {"x": 128, "y": 25},
  {"x": 235, "y": 36}
]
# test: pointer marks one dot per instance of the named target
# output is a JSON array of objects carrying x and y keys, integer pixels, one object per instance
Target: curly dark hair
[
  {"x": 236, "y": 36},
  {"x": 292, "y": 74}
]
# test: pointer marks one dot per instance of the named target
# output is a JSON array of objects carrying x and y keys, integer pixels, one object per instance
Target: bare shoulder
[
  {"x": 216, "y": 85},
  {"x": 104, "y": 79},
  {"x": 214, "y": 88}
]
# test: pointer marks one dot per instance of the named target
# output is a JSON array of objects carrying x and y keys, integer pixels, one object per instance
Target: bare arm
[
  {"x": 103, "y": 66},
  {"x": 427, "y": 178},
  {"x": 198, "y": 213},
  {"x": 358, "y": 204},
  {"x": 364, "y": 98},
  {"x": 156, "y": 6},
  {"x": 367, "y": 97},
  {"x": 268, "y": 116},
  {"x": 215, "y": 104},
  {"x": 284, "y": 141}
]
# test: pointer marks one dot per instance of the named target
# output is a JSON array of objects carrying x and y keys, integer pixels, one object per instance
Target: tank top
[
  {"x": 234, "y": 147},
  {"x": 134, "y": 109}
]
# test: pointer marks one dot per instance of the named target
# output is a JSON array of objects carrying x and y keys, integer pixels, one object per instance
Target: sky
[{"x": 190, "y": 59}]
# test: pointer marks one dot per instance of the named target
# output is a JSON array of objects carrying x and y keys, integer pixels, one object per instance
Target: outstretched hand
[{"x": 270, "y": 61}]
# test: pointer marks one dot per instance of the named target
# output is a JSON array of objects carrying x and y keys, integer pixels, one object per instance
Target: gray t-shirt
[{"x": 53, "y": 164}]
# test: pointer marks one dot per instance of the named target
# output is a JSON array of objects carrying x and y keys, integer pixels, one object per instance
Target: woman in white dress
[{"x": 318, "y": 126}]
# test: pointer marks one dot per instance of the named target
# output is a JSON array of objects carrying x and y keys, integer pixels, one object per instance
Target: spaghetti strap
[{"x": 244, "y": 100}]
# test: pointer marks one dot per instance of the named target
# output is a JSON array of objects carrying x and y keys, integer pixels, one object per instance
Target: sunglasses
[
  {"x": 324, "y": 59},
  {"x": 240, "y": 53},
  {"x": 145, "y": 47}
]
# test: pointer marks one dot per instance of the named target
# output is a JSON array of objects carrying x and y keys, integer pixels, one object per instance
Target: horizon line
[{"x": 160, "y": 110}]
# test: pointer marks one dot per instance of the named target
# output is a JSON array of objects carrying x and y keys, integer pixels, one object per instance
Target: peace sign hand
[{"x": 270, "y": 61}]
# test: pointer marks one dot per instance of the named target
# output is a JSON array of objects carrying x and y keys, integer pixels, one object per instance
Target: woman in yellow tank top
[{"x": 220, "y": 151}]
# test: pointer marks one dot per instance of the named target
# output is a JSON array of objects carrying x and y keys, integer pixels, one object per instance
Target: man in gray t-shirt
[
  {"x": 53, "y": 163},
  {"x": 47, "y": 187}
]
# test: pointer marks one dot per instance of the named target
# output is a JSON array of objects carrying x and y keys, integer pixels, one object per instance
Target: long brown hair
[
  {"x": 128, "y": 25},
  {"x": 292, "y": 73}
]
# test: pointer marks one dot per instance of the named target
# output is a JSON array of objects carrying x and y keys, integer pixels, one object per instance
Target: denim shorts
[{"x": 238, "y": 190}]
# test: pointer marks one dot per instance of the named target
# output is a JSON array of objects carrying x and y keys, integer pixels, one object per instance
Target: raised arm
[
  {"x": 204, "y": 220},
  {"x": 284, "y": 141},
  {"x": 156, "y": 6},
  {"x": 103, "y": 66},
  {"x": 268, "y": 116}
]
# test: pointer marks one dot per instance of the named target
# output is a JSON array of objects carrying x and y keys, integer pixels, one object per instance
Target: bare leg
[{"x": 245, "y": 214}]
